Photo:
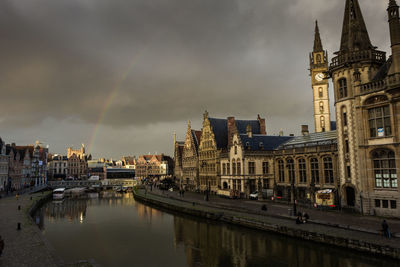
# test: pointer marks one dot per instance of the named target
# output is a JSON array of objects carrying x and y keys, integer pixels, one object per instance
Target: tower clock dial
[{"x": 319, "y": 77}]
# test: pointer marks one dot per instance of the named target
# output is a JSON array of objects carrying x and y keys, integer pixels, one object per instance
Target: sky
[{"x": 123, "y": 76}]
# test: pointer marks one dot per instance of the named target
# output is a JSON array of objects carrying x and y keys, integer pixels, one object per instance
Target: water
[{"x": 115, "y": 230}]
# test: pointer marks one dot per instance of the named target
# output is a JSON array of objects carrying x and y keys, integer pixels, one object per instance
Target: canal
[{"x": 115, "y": 230}]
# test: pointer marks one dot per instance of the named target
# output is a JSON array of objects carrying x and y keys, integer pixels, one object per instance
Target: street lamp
[{"x": 291, "y": 176}]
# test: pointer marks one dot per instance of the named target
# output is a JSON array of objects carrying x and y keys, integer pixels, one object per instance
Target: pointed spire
[
  {"x": 354, "y": 34},
  {"x": 317, "y": 39},
  {"x": 392, "y": 3}
]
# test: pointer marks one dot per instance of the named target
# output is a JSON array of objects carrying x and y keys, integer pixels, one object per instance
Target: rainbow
[{"x": 110, "y": 99}]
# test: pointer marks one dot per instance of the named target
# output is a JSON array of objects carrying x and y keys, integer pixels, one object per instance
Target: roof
[
  {"x": 263, "y": 142},
  {"x": 220, "y": 129},
  {"x": 317, "y": 40},
  {"x": 313, "y": 139},
  {"x": 196, "y": 137},
  {"x": 354, "y": 33}
]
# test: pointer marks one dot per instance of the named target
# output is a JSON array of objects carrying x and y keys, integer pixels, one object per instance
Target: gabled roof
[
  {"x": 262, "y": 142},
  {"x": 313, "y": 139},
  {"x": 220, "y": 129},
  {"x": 196, "y": 138},
  {"x": 242, "y": 124}
]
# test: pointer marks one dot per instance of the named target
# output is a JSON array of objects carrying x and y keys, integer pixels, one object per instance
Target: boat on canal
[{"x": 58, "y": 193}]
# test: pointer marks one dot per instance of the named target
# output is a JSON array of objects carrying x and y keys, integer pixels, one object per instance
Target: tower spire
[
  {"x": 317, "y": 39},
  {"x": 354, "y": 34}
]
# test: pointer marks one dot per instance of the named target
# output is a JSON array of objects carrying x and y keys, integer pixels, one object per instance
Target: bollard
[
  {"x": 19, "y": 226},
  {"x": 19, "y": 207}
]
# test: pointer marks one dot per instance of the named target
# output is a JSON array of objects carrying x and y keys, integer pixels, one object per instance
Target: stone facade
[
  {"x": 367, "y": 93},
  {"x": 190, "y": 159}
]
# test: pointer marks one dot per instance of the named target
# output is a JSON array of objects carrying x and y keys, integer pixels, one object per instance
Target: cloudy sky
[{"x": 121, "y": 76}]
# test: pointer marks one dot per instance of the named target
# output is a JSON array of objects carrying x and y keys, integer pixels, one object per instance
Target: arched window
[
  {"x": 302, "y": 171},
  {"x": 328, "y": 169},
  {"x": 321, "y": 106},
  {"x": 281, "y": 171},
  {"x": 322, "y": 121},
  {"x": 235, "y": 150},
  {"x": 314, "y": 171},
  {"x": 342, "y": 88},
  {"x": 320, "y": 92},
  {"x": 290, "y": 166},
  {"x": 379, "y": 121},
  {"x": 233, "y": 167},
  {"x": 385, "y": 168},
  {"x": 239, "y": 171}
]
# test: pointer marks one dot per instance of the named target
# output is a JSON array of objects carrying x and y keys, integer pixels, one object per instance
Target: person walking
[{"x": 385, "y": 229}]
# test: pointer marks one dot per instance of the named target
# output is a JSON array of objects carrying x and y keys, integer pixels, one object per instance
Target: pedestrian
[
  {"x": 183, "y": 192},
  {"x": 298, "y": 220},
  {"x": 385, "y": 229}
]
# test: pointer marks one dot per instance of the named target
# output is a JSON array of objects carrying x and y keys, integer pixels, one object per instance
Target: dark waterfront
[{"x": 115, "y": 230}]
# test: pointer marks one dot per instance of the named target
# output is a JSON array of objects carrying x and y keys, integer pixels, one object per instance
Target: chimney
[
  {"x": 304, "y": 130},
  {"x": 262, "y": 125},
  {"x": 231, "y": 128},
  {"x": 249, "y": 131}
]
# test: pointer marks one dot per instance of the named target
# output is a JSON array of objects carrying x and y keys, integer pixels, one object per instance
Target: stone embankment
[{"x": 318, "y": 232}]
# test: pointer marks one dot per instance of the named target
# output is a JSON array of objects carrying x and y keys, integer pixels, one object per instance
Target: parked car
[{"x": 254, "y": 195}]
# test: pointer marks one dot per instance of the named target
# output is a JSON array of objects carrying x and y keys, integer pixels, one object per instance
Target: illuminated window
[{"x": 385, "y": 169}]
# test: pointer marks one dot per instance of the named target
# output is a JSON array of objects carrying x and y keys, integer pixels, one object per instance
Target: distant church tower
[{"x": 320, "y": 84}]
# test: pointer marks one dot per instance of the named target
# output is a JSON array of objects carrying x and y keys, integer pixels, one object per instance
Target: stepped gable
[{"x": 263, "y": 142}]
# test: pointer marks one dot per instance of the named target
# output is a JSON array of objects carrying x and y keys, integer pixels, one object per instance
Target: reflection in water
[{"x": 115, "y": 230}]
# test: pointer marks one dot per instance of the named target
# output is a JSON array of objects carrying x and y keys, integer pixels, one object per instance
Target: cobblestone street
[{"x": 24, "y": 247}]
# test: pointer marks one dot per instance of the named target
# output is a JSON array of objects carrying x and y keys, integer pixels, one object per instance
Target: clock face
[{"x": 319, "y": 77}]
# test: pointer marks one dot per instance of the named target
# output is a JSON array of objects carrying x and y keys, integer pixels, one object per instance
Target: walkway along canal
[{"x": 370, "y": 243}]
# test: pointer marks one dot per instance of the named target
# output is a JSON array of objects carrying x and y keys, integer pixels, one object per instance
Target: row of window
[
  {"x": 385, "y": 169},
  {"x": 384, "y": 203},
  {"x": 302, "y": 170},
  {"x": 236, "y": 168}
]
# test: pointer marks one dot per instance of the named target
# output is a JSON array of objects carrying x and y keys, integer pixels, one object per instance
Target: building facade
[
  {"x": 367, "y": 93},
  {"x": 3, "y": 166},
  {"x": 248, "y": 164},
  {"x": 58, "y": 167},
  {"x": 216, "y": 137},
  {"x": 154, "y": 166},
  {"x": 190, "y": 159}
]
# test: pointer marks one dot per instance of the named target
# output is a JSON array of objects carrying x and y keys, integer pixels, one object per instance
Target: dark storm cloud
[{"x": 169, "y": 59}]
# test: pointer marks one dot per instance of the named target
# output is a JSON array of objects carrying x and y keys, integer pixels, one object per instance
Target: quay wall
[{"x": 348, "y": 243}]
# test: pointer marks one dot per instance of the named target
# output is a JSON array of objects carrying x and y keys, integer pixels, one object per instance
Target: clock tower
[{"x": 320, "y": 84}]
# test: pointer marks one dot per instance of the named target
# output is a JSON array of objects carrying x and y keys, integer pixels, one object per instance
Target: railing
[
  {"x": 370, "y": 55},
  {"x": 372, "y": 86}
]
